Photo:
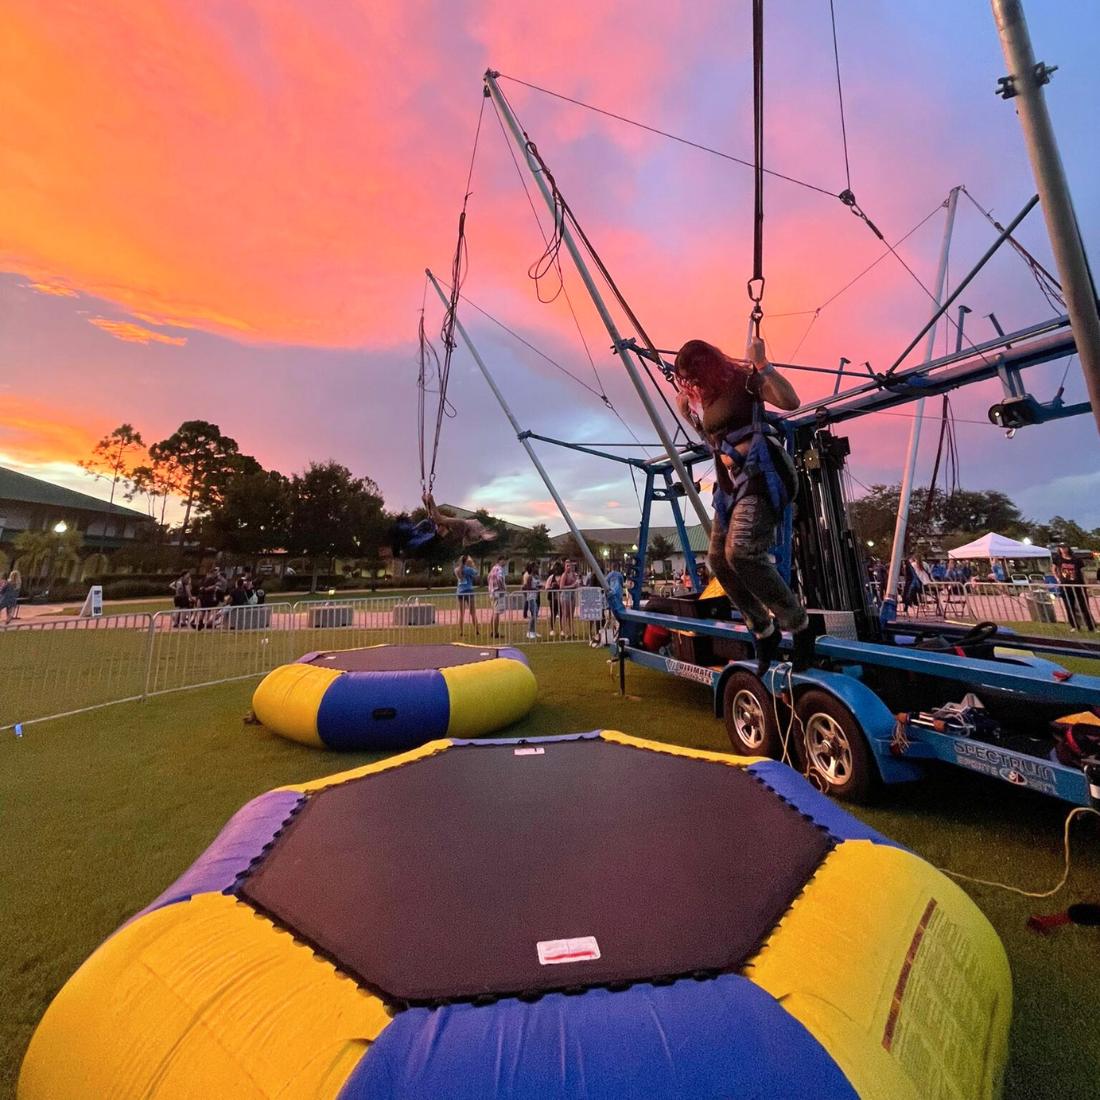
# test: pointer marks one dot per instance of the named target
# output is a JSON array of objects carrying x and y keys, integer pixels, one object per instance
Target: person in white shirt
[{"x": 498, "y": 593}]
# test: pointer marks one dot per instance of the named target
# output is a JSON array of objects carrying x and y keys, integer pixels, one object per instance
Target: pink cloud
[{"x": 135, "y": 334}]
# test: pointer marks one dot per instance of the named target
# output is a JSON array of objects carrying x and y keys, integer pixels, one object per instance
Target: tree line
[
  {"x": 940, "y": 522},
  {"x": 233, "y": 505}
]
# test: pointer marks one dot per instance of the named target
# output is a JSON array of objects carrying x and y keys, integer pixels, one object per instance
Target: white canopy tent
[{"x": 997, "y": 548}]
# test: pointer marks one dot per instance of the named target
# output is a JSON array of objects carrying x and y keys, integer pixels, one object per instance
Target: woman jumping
[{"x": 755, "y": 480}]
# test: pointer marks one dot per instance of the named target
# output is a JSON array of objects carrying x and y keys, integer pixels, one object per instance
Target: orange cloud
[
  {"x": 135, "y": 334},
  {"x": 58, "y": 290},
  {"x": 32, "y": 433}
]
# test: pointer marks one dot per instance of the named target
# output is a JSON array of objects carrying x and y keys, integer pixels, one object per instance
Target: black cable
[
  {"x": 756, "y": 283},
  {"x": 459, "y": 267},
  {"x": 558, "y": 200},
  {"x": 1049, "y": 286},
  {"x": 666, "y": 134},
  {"x": 840, "y": 97},
  {"x": 852, "y": 282},
  {"x": 564, "y": 289}
]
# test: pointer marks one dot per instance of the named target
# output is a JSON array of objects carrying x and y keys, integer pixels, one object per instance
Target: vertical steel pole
[
  {"x": 521, "y": 436},
  {"x": 1025, "y": 83},
  {"x": 601, "y": 307},
  {"x": 902, "y": 524}
]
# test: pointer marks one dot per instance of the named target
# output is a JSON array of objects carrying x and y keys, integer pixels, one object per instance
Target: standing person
[
  {"x": 238, "y": 594},
  {"x": 1069, "y": 571},
  {"x": 208, "y": 600},
  {"x": 182, "y": 598},
  {"x": 911, "y": 593},
  {"x": 498, "y": 593},
  {"x": 553, "y": 594},
  {"x": 9, "y": 595},
  {"x": 568, "y": 584},
  {"x": 531, "y": 584},
  {"x": 755, "y": 479},
  {"x": 466, "y": 576}
]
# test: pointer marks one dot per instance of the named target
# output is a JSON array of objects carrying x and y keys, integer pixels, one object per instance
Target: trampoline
[
  {"x": 395, "y": 696},
  {"x": 582, "y": 916}
]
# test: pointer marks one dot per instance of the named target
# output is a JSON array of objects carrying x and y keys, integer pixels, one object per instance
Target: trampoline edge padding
[
  {"x": 379, "y": 698},
  {"x": 867, "y": 973}
]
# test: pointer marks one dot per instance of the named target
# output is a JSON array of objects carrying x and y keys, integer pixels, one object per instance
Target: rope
[
  {"x": 666, "y": 134},
  {"x": 1033, "y": 893},
  {"x": 561, "y": 206},
  {"x": 602, "y": 392},
  {"x": 1049, "y": 286},
  {"x": 840, "y": 98},
  {"x": 564, "y": 370},
  {"x": 459, "y": 268}
]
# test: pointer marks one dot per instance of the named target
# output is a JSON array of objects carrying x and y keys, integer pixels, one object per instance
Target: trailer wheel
[
  {"x": 749, "y": 717},
  {"x": 836, "y": 750}
]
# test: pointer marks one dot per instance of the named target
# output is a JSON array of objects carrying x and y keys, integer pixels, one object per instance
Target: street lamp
[
  {"x": 871, "y": 542},
  {"x": 1027, "y": 540},
  {"x": 59, "y": 529}
]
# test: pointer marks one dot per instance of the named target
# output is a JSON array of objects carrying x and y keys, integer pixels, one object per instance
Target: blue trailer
[
  {"x": 880, "y": 700},
  {"x": 871, "y": 713}
]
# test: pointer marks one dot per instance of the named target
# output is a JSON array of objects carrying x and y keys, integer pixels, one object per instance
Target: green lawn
[{"x": 101, "y": 811}]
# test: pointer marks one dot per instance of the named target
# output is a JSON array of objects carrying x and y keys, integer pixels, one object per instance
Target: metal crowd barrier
[
  {"x": 54, "y": 667},
  {"x": 1068, "y": 606}
]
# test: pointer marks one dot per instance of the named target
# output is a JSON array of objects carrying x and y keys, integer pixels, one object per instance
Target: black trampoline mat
[
  {"x": 437, "y": 880},
  {"x": 402, "y": 658}
]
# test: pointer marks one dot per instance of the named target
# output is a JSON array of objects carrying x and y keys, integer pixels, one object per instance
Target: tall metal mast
[
  {"x": 902, "y": 524},
  {"x": 522, "y": 436},
  {"x": 601, "y": 307},
  {"x": 1025, "y": 84}
]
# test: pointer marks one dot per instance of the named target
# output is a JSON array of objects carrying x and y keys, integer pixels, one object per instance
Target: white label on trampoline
[
  {"x": 530, "y": 750},
  {"x": 581, "y": 949}
]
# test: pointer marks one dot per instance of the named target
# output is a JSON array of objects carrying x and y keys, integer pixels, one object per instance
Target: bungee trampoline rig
[{"x": 880, "y": 699}]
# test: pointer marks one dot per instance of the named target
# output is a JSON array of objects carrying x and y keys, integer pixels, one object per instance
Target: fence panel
[
  {"x": 54, "y": 666},
  {"x": 1054, "y": 608},
  {"x": 210, "y": 646}
]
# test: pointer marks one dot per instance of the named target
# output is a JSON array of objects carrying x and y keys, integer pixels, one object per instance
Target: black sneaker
[{"x": 767, "y": 649}]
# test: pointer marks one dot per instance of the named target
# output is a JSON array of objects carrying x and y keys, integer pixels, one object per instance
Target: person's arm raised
[{"x": 771, "y": 385}]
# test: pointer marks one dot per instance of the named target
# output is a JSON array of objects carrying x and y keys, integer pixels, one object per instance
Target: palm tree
[{"x": 43, "y": 553}]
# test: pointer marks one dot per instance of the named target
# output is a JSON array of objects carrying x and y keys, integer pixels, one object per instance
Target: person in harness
[{"x": 755, "y": 481}]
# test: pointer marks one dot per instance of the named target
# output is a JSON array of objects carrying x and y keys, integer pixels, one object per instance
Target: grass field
[{"x": 101, "y": 811}]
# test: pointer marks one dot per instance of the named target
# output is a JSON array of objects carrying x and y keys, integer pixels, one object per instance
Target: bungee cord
[{"x": 459, "y": 267}]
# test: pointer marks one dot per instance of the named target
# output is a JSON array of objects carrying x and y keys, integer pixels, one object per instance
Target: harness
[{"x": 732, "y": 485}]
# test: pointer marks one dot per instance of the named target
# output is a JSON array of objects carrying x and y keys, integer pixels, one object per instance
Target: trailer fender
[
  {"x": 872, "y": 714},
  {"x": 869, "y": 710}
]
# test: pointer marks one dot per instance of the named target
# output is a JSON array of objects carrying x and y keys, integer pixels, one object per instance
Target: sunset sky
[{"x": 223, "y": 210}]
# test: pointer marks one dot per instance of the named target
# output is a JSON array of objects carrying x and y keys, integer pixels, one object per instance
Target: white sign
[
  {"x": 580, "y": 949},
  {"x": 93, "y": 603},
  {"x": 592, "y": 605}
]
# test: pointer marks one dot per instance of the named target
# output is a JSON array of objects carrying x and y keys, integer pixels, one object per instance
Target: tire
[
  {"x": 747, "y": 710},
  {"x": 835, "y": 748}
]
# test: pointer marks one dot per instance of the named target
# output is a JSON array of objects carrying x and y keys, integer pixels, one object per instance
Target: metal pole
[
  {"x": 1024, "y": 82},
  {"x": 601, "y": 308},
  {"x": 521, "y": 436},
  {"x": 902, "y": 524}
]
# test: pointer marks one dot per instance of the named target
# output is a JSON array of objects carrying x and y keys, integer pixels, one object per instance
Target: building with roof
[
  {"x": 619, "y": 543},
  {"x": 31, "y": 504}
]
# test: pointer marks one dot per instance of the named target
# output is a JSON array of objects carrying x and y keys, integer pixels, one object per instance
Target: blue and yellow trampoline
[
  {"x": 395, "y": 696},
  {"x": 588, "y": 916}
]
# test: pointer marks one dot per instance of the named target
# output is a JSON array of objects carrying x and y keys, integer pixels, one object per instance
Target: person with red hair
[{"x": 755, "y": 480}]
